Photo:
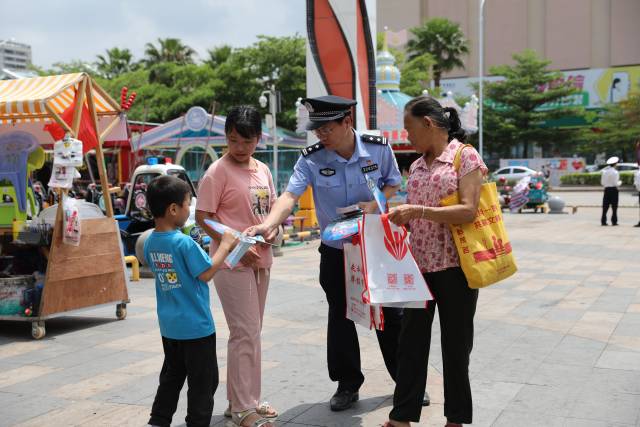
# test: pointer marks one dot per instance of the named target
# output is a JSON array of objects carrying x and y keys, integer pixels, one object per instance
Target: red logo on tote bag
[{"x": 394, "y": 241}]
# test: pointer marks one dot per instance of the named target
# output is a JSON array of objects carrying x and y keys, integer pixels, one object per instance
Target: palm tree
[
  {"x": 444, "y": 41},
  {"x": 116, "y": 62},
  {"x": 169, "y": 50},
  {"x": 218, "y": 55}
]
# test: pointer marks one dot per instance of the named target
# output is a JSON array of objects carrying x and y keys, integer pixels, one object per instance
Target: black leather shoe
[
  {"x": 343, "y": 400},
  {"x": 637, "y": 225},
  {"x": 426, "y": 400}
]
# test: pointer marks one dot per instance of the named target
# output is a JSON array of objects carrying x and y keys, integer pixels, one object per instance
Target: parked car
[
  {"x": 622, "y": 167},
  {"x": 512, "y": 173}
]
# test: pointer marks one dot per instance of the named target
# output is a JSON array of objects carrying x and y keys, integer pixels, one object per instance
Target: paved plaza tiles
[{"x": 558, "y": 344}]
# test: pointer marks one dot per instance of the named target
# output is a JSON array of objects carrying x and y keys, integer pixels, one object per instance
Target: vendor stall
[{"x": 47, "y": 275}]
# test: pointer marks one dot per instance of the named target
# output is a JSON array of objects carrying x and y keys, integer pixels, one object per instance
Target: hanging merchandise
[
  {"x": 67, "y": 152},
  {"x": 71, "y": 223},
  {"x": 63, "y": 176}
]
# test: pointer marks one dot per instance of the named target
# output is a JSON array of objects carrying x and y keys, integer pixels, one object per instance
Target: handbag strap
[
  {"x": 457, "y": 158},
  {"x": 384, "y": 218}
]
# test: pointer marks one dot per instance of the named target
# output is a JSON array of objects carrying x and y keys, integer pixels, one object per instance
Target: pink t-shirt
[
  {"x": 239, "y": 197},
  {"x": 431, "y": 242}
]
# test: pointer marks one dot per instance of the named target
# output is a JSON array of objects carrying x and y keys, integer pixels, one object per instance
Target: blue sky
[{"x": 64, "y": 30}]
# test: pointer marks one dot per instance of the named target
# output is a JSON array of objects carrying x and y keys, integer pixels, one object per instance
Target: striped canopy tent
[
  {"x": 32, "y": 103},
  {"x": 29, "y": 104}
]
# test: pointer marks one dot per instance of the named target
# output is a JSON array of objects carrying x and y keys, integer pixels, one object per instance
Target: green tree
[
  {"x": 525, "y": 107},
  {"x": 271, "y": 60},
  {"x": 218, "y": 55},
  {"x": 116, "y": 61},
  {"x": 168, "y": 50},
  {"x": 415, "y": 75},
  {"x": 73, "y": 66},
  {"x": 617, "y": 128},
  {"x": 444, "y": 41},
  {"x": 167, "y": 89}
]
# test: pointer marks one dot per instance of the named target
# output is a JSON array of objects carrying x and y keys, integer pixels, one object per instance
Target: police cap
[{"x": 324, "y": 109}]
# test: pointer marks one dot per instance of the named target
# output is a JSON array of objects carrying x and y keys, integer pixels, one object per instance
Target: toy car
[{"x": 137, "y": 218}]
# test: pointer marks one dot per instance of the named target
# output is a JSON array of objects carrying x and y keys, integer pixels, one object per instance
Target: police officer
[
  {"x": 335, "y": 168},
  {"x": 610, "y": 180}
]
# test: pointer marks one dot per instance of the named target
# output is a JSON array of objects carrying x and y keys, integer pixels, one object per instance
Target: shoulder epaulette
[
  {"x": 374, "y": 139},
  {"x": 311, "y": 149}
]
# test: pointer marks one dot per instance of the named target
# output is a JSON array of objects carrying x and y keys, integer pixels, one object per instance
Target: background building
[
  {"x": 14, "y": 56},
  {"x": 573, "y": 34}
]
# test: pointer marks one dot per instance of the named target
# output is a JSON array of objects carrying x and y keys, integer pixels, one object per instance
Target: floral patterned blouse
[{"x": 431, "y": 242}]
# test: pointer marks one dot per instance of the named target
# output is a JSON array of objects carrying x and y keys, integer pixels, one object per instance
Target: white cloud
[{"x": 64, "y": 30}]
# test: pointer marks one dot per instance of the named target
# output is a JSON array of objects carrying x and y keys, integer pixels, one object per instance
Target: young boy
[{"x": 182, "y": 270}]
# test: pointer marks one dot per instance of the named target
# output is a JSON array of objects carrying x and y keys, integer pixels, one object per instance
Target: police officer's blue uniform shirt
[{"x": 338, "y": 182}]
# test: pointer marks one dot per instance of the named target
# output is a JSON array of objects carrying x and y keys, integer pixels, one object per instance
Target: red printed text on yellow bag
[{"x": 485, "y": 252}]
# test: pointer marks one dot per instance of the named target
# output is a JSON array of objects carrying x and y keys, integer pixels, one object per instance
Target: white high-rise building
[{"x": 14, "y": 56}]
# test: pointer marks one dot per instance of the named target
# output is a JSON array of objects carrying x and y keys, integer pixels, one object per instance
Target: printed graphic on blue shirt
[{"x": 163, "y": 267}]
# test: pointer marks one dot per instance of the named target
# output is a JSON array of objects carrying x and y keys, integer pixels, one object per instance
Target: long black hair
[
  {"x": 446, "y": 118},
  {"x": 246, "y": 120}
]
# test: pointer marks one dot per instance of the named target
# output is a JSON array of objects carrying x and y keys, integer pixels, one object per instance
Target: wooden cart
[{"x": 93, "y": 273}]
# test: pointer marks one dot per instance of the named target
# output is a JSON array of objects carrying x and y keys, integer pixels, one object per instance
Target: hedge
[{"x": 593, "y": 178}]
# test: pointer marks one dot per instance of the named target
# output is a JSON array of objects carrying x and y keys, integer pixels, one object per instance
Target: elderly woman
[{"x": 435, "y": 132}]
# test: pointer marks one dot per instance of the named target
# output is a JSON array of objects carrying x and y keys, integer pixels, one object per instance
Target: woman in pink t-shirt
[
  {"x": 435, "y": 132},
  {"x": 237, "y": 190}
]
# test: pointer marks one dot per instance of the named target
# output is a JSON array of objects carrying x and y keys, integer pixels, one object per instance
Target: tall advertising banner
[{"x": 341, "y": 54}]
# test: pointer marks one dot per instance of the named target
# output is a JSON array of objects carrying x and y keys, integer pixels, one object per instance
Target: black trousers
[
  {"x": 456, "y": 308},
  {"x": 610, "y": 199},
  {"x": 196, "y": 361},
  {"x": 343, "y": 348}
]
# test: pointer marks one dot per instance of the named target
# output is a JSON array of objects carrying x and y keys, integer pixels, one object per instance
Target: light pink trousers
[{"x": 243, "y": 293}]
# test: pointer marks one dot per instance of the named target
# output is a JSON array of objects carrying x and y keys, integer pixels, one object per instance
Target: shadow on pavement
[{"x": 14, "y": 331}]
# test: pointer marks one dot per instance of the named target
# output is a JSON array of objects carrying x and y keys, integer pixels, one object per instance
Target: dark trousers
[
  {"x": 610, "y": 199},
  {"x": 456, "y": 307},
  {"x": 196, "y": 361},
  {"x": 343, "y": 348}
]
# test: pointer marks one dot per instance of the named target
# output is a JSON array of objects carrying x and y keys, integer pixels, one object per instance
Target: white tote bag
[
  {"x": 355, "y": 289},
  {"x": 392, "y": 277}
]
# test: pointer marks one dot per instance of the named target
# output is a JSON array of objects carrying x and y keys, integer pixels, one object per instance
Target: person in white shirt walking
[{"x": 610, "y": 180}]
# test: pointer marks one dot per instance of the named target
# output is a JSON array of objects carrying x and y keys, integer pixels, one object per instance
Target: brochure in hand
[{"x": 245, "y": 242}]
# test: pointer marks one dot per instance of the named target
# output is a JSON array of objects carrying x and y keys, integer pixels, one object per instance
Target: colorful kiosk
[{"x": 92, "y": 273}]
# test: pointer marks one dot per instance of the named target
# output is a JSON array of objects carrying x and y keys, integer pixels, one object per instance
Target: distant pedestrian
[
  {"x": 610, "y": 180},
  {"x": 546, "y": 171}
]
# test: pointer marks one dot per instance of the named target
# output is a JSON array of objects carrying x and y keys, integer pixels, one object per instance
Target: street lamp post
[
  {"x": 480, "y": 74},
  {"x": 271, "y": 123}
]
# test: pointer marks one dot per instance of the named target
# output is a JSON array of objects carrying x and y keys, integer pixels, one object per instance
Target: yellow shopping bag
[{"x": 485, "y": 252}]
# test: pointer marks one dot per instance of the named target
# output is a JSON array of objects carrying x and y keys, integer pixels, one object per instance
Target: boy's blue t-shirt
[{"x": 182, "y": 299}]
